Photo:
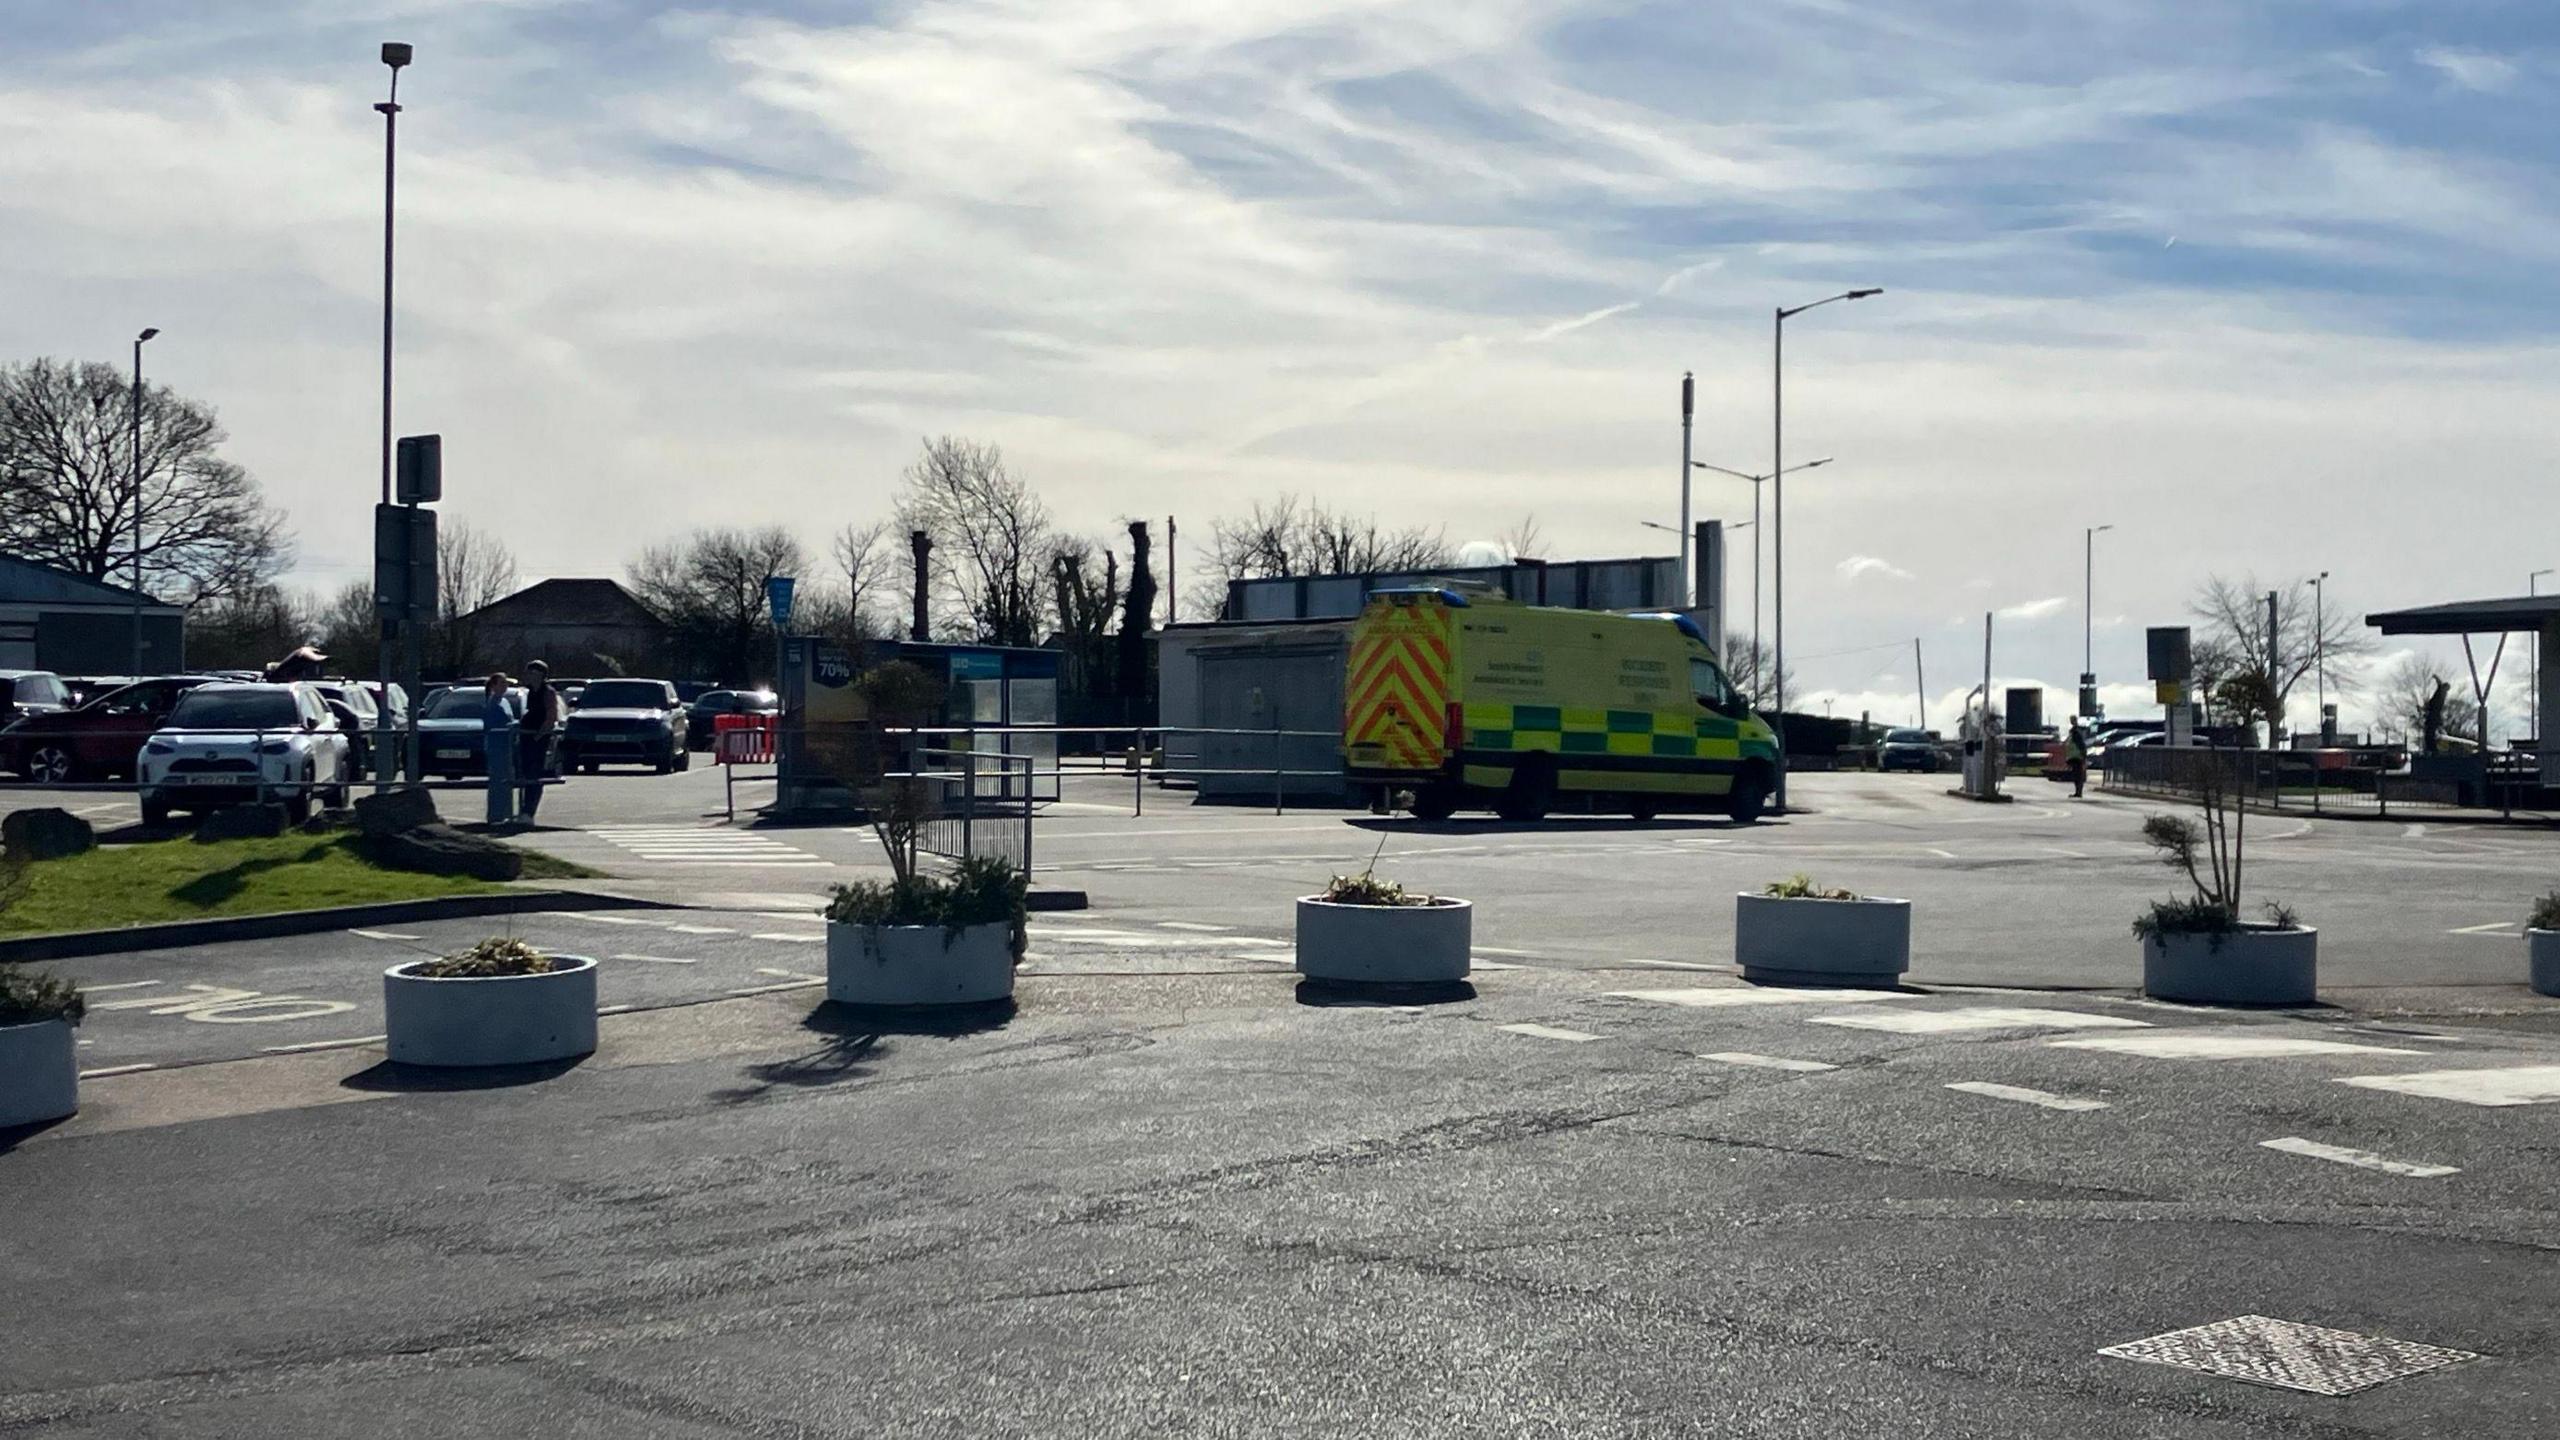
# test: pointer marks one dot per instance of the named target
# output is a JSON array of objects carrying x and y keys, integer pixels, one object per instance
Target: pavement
[{"x": 1610, "y": 1191}]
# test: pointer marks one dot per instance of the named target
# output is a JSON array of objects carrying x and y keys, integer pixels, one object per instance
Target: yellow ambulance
[{"x": 1473, "y": 700}]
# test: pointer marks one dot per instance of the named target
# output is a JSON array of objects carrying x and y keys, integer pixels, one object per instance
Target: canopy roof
[{"x": 2470, "y": 617}]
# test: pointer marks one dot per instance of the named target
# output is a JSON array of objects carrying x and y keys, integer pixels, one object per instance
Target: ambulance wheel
[
  {"x": 1750, "y": 795},
  {"x": 1532, "y": 792},
  {"x": 1644, "y": 809},
  {"x": 1435, "y": 802}
]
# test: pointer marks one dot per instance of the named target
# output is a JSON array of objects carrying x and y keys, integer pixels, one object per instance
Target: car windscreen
[
  {"x": 456, "y": 704},
  {"x": 1907, "y": 737},
  {"x": 236, "y": 710},
  {"x": 623, "y": 695}
]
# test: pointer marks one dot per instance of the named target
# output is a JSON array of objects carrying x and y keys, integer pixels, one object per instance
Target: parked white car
[{"x": 228, "y": 744}]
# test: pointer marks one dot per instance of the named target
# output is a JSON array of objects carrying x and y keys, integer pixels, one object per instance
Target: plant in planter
[
  {"x": 2542, "y": 945},
  {"x": 500, "y": 1002},
  {"x": 1795, "y": 932},
  {"x": 2198, "y": 948},
  {"x": 1362, "y": 930},
  {"x": 921, "y": 939},
  {"x": 39, "y": 1064}
]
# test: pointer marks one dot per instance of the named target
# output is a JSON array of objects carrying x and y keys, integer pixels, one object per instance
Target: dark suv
[{"x": 637, "y": 722}]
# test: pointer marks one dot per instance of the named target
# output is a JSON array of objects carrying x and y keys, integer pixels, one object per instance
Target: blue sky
[{"x": 2265, "y": 286}]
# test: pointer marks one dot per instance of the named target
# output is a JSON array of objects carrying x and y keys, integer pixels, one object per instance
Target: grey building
[
  {"x": 54, "y": 620},
  {"x": 582, "y": 627}
]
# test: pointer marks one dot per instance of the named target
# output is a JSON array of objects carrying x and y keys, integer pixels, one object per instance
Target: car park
[
  {"x": 31, "y": 692},
  {"x": 1907, "y": 750},
  {"x": 621, "y": 721},
  {"x": 228, "y": 743},
  {"x": 703, "y": 712},
  {"x": 101, "y": 738}
]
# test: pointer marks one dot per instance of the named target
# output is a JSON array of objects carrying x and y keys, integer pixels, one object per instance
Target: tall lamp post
[
  {"x": 136, "y": 416},
  {"x": 2532, "y": 586},
  {"x": 2089, "y": 619},
  {"x": 1688, "y": 408},
  {"x": 1778, "y": 507},
  {"x": 2320, "y": 653},
  {"x": 396, "y": 55},
  {"x": 1754, "y": 522}
]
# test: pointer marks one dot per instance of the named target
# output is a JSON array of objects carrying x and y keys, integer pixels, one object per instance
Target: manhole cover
[{"x": 2289, "y": 1355}]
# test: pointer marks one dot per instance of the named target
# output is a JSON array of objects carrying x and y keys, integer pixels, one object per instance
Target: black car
[
  {"x": 31, "y": 692},
  {"x": 711, "y": 705},
  {"x": 635, "y": 722},
  {"x": 1908, "y": 750}
]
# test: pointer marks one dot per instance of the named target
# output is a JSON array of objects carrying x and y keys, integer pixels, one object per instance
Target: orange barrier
[{"x": 742, "y": 739}]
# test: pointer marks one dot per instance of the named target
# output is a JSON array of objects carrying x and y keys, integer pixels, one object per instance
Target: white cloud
[
  {"x": 1858, "y": 567},
  {"x": 2470, "y": 69},
  {"x": 2035, "y": 609}
]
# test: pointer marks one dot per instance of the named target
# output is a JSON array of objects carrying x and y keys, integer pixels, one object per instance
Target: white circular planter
[
  {"x": 2253, "y": 965},
  {"x": 1385, "y": 944},
  {"x": 2542, "y": 960},
  {"x": 490, "y": 1019},
  {"x": 39, "y": 1072},
  {"x": 919, "y": 964},
  {"x": 1822, "y": 942}
]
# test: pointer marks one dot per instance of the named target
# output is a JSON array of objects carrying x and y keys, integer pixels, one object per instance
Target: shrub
[
  {"x": 978, "y": 891},
  {"x": 2210, "y": 850},
  {"x": 1801, "y": 887},
  {"x": 493, "y": 957},
  {"x": 27, "y": 996},
  {"x": 2193, "y": 916},
  {"x": 1367, "y": 889},
  {"x": 2546, "y": 913}
]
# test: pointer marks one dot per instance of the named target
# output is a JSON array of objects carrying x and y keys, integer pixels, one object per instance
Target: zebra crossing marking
[
  {"x": 2361, "y": 1159},
  {"x": 701, "y": 845},
  {"x": 1767, "y": 1062},
  {"x": 2024, "y": 1095},
  {"x": 1712, "y": 997},
  {"x": 2508, "y": 1085},
  {"x": 1977, "y": 1017},
  {"x": 1550, "y": 1032},
  {"x": 2206, "y": 1044}
]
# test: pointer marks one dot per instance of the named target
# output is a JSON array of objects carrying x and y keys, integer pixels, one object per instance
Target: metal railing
[
  {"x": 981, "y": 806},
  {"x": 2318, "y": 782},
  {"x": 1140, "y": 752}
]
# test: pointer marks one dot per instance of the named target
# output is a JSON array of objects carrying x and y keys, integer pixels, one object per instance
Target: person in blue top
[{"x": 498, "y": 717}]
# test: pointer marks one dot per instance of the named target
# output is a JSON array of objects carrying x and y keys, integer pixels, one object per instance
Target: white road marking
[
  {"x": 323, "y": 1045},
  {"x": 1679, "y": 965},
  {"x": 595, "y": 919},
  {"x": 2025, "y": 1096},
  {"x": 1515, "y": 954},
  {"x": 106, "y": 1070},
  {"x": 119, "y": 985},
  {"x": 2362, "y": 1159},
  {"x": 1756, "y": 995},
  {"x": 702, "y": 930},
  {"x": 2512, "y": 1085},
  {"x": 1941, "y": 854},
  {"x": 385, "y": 935},
  {"x": 1979, "y": 1017},
  {"x": 2413, "y": 832},
  {"x": 660, "y": 959},
  {"x": 703, "y": 845},
  {"x": 2220, "y": 1045},
  {"x": 1192, "y": 925},
  {"x": 774, "y": 989},
  {"x": 1550, "y": 1032},
  {"x": 1765, "y": 1062},
  {"x": 1046, "y": 837},
  {"x": 2490, "y": 928},
  {"x": 614, "y": 1009},
  {"x": 791, "y": 975},
  {"x": 790, "y": 939},
  {"x": 1478, "y": 962}
]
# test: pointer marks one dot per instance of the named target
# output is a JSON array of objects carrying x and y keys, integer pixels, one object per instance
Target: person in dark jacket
[
  {"x": 498, "y": 718},
  {"x": 542, "y": 716}
]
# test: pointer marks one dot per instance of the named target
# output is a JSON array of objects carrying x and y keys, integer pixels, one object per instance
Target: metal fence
[
  {"x": 1031, "y": 761},
  {"x": 2322, "y": 782},
  {"x": 981, "y": 805}
]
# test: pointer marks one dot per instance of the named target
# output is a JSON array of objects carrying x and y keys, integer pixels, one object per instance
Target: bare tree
[
  {"x": 474, "y": 570},
  {"x": 1745, "y": 664},
  {"x": 2235, "y": 639},
  {"x": 1287, "y": 536},
  {"x": 1137, "y": 613},
  {"x": 71, "y": 495},
  {"x": 248, "y": 630},
  {"x": 1086, "y": 578},
  {"x": 347, "y": 631},
  {"x": 990, "y": 540},
  {"x": 710, "y": 587},
  {"x": 1526, "y": 540},
  {"x": 869, "y": 573},
  {"x": 2400, "y": 701}
]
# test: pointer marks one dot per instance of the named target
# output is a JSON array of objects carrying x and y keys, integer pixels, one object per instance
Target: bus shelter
[{"x": 2537, "y": 617}]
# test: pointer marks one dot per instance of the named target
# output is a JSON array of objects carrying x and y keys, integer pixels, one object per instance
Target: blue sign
[{"x": 777, "y": 593}]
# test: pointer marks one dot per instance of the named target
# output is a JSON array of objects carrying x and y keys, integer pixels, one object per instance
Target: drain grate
[{"x": 2289, "y": 1355}]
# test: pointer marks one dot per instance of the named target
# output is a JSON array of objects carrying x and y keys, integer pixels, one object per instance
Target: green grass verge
[{"x": 181, "y": 880}]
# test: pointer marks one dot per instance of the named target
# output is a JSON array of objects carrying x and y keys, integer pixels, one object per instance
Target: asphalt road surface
[{"x": 1609, "y": 1192}]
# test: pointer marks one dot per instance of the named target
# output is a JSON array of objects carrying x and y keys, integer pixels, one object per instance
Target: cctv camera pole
[{"x": 395, "y": 55}]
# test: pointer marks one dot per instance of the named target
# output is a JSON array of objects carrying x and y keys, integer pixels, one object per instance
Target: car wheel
[
  {"x": 51, "y": 765},
  {"x": 1750, "y": 794},
  {"x": 684, "y": 759},
  {"x": 1532, "y": 792},
  {"x": 155, "y": 810},
  {"x": 1644, "y": 809},
  {"x": 1435, "y": 802}
]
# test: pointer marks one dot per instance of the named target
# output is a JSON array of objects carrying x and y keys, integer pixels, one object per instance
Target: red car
[{"x": 103, "y": 737}]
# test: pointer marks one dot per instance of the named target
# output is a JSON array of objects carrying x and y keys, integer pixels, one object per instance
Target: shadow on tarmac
[
  {"x": 1552, "y": 825},
  {"x": 1341, "y": 993},
  {"x": 851, "y": 1038},
  {"x": 395, "y": 1078}
]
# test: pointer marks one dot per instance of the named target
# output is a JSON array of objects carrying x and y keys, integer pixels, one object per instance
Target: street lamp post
[
  {"x": 2532, "y": 587},
  {"x": 136, "y": 416},
  {"x": 1778, "y": 508},
  {"x": 1688, "y": 408},
  {"x": 2320, "y": 653},
  {"x": 2089, "y": 619},
  {"x": 395, "y": 55},
  {"x": 1754, "y": 522}
]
